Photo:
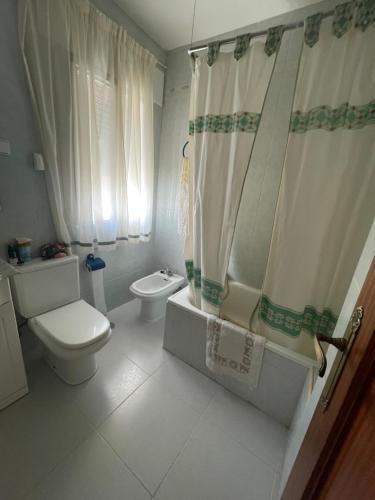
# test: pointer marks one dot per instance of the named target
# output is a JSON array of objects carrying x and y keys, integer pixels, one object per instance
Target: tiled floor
[{"x": 145, "y": 426}]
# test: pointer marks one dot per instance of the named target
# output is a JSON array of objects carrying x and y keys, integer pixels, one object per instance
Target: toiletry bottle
[{"x": 12, "y": 254}]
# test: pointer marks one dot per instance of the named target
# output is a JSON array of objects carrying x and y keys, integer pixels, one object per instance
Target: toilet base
[
  {"x": 72, "y": 371},
  {"x": 153, "y": 310}
]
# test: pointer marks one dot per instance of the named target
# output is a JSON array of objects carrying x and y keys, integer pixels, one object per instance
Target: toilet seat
[
  {"x": 70, "y": 331},
  {"x": 73, "y": 326}
]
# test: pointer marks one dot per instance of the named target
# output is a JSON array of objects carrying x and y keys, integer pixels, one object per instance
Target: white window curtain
[
  {"x": 227, "y": 96},
  {"x": 327, "y": 196},
  {"x": 92, "y": 90}
]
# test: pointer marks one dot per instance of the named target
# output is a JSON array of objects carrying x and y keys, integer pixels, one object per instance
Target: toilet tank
[{"x": 43, "y": 285}]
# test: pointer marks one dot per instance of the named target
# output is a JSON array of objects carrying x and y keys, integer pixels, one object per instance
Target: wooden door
[
  {"x": 351, "y": 473},
  {"x": 343, "y": 434}
]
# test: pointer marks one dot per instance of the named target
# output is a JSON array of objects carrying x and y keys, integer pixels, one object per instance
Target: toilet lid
[{"x": 74, "y": 325}]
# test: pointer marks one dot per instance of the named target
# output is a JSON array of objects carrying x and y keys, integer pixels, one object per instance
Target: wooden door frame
[{"x": 326, "y": 429}]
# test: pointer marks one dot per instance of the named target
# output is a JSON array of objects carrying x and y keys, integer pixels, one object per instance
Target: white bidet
[{"x": 154, "y": 290}]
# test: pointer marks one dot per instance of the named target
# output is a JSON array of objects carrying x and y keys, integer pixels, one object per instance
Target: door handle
[
  {"x": 344, "y": 345},
  {"x": 341, "y": 343}
]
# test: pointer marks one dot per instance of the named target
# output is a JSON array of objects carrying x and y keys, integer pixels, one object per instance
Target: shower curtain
[
  {"x": 227, "y": 96},
  {"x": 327, "y": 195}
]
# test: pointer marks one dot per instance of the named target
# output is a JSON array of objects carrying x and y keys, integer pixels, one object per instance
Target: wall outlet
[
  {"x": 38, "y": 162},
  {"x": 4, "y": 147}
]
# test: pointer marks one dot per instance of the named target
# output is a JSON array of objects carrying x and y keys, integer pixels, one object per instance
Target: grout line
[
  {"x": 63, "y": 459},
  {"x": 188, "y": 439},
  {"x": 94, "y": 430},
  {"x": 95, "y": 426},
  {"x": 141, "y": 368},
  {"x": 176, "y": 394},
  {"x": 172, "y": 394},
  {"x": 125, "y": 464},
  {"x": 120, "y": 404},
  {"x": 275, "y": 469}
]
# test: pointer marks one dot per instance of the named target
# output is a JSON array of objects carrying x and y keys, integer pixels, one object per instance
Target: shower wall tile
[
  {"x": 124, "y": 266},
  {"x": 168, "y": 242}
]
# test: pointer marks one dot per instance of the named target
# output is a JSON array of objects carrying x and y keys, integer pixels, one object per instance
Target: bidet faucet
[{"x": 167, "y": 271}]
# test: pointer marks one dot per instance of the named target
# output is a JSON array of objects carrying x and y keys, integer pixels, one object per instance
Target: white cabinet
[{"x": 13, "y": 383}]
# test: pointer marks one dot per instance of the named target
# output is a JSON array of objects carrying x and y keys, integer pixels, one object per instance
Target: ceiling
[{"x": 168, "y": 22}]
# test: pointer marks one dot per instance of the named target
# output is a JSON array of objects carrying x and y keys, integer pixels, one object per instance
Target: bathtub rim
[{"x": 186, "y": 305}]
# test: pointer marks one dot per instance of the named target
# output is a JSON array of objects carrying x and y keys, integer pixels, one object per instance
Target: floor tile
[
  {"x": 161, "y": 426},
  {"x": 91, "y": 472},
  {"x": 126, "y": 313},
  {"x": 186, "y": 383},
  {"x": 149, "y": 430},
  {"x": 37, "y": 432},
  {"x": 146, "y": 356},
  {"x": 213, "y": 466},
  {"x": 140, "y": 341},
  {"x": 44, "y": 383},
  {"x": 130, "y": 326},
  {"x": 255, "y": 430},
  {"x": 116, "y": 378}
]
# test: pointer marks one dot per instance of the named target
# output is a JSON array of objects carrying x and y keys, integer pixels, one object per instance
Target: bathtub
[{"x": 283, "y": 372}]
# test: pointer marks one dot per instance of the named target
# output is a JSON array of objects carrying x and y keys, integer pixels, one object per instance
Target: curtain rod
[{"x": 290, "y": 26}]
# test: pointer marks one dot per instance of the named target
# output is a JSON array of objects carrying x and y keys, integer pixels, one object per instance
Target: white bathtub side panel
[{"x": 281, "y": 380}]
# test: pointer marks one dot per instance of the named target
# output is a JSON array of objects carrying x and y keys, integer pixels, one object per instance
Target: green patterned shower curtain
[
  {"x": 327, "y": 195},
  {"x": 227, "y": 96}
]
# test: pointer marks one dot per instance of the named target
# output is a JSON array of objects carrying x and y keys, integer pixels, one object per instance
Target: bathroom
[{"x": 145, "y": 411}]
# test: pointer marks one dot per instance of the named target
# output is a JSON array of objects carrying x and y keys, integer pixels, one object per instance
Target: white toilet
[
  {"x": 154, "y": 290},
  {"x": 47, "y": 293}
]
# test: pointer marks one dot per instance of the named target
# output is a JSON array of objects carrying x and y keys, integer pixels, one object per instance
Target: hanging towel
[{"x": 233, "y": 350}]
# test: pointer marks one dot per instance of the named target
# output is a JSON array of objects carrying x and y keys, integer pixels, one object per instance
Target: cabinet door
[{"x": 12, "y": 372}]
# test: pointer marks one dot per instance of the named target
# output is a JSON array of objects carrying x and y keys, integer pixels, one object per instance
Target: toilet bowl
[
  {"x": 72, "y": 332},
  {"x": 154, "y": 290},
  {"x": 71, "y": 336}
]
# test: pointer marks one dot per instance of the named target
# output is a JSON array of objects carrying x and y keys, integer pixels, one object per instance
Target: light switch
[
  {"x": 4, "y": 147},
  {"x": 38, "y": 161}
]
